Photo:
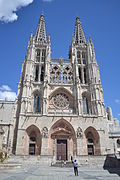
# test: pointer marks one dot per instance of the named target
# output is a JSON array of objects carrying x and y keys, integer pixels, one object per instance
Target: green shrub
[{"x": 3, "y": 155}]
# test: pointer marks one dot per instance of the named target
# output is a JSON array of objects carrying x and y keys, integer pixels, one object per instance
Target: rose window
[{"x": 61, "y": 100}]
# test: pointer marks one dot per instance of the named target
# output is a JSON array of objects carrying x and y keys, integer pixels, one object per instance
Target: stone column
[{"x": 54, "y": 152}]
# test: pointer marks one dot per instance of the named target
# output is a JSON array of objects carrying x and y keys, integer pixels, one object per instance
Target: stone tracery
[
  {"x": 61, "y": 73},
  {"x": 61, "y": 100}
]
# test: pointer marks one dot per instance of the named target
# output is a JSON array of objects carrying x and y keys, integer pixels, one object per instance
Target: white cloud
[
  {"x": 117, "y": 101},
  {"x": 5, "y": 88},
  {"x": 8, "y": 9},
  {"x": 6, "y": 93}
]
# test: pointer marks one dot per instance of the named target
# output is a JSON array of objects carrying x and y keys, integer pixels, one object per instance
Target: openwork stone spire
[
  {"x": 41, "y": 32},
  {"x": 79, "y": 34}
]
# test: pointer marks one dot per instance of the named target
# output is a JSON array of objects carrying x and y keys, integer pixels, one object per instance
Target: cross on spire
[{"x": 78, "y": 33}]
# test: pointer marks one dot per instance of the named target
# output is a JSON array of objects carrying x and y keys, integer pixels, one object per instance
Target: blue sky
[{"x": 100, "y": 20}]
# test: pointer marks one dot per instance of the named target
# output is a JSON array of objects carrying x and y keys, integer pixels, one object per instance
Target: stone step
[
  {"x": 10, "y": 165},
  {"x": 43, "y": 160},
  {"x": 60, "y": 164}
]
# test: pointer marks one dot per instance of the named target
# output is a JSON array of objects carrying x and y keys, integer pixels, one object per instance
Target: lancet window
[
  {"x": 83, "y": 55},
  {"x": 85, "y": 105},
  {"x": 80, "y": 76},
  {"x": 38, "y": 55},
  {"x": 85, "y": 76},
  {"x": 83, "y": 58},
  {"x": 42, "y": 74},
  {"x": 36, "y": 103},
  {"x": 37, "y": 73},
  {"x": 43, "y": 55}
]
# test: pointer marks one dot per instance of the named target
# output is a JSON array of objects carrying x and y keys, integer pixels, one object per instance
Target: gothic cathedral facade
[{"x": 59, "y": 111}]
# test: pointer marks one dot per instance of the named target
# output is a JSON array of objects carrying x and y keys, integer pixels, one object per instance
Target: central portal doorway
[
  {"x": 62, "y": 149},
  {"x": 31, "y": 149}
]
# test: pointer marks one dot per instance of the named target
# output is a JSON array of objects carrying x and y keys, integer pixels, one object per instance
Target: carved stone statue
[
  {"x": 45, "y": 132},
  {"x": 79, "y": 133}
]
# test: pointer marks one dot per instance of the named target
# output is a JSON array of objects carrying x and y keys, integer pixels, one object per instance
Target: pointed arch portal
[
  {"x": 34, "y": 137},
  {"x": 62, "y": 140}
]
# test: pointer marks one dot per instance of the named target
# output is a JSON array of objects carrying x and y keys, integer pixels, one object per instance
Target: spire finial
[{"x": 78, "y": 33}]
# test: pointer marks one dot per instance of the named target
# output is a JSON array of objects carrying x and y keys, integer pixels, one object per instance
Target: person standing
[{"x": 75, "y": 167}]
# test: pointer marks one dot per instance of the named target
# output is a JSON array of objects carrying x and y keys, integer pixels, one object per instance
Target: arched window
[
  {"x": 36, "y": 103},
  {"x": 36, "y": 73},
  {"x": 85, "y": 105}
]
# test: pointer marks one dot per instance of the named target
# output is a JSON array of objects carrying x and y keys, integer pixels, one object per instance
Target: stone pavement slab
[{"x": 37, "y": 172}]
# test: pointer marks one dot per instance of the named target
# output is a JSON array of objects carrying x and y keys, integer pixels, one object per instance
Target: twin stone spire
[
  {"x": 78, "y": 39},
  {"x": 41, "y": 37}
]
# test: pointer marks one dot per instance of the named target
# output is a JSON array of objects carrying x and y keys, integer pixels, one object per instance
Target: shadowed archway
[
  {"x": 93, "y": 141},
  {"x": 34, "y": 140}
]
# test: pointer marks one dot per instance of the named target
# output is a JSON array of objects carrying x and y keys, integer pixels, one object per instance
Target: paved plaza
[{"x": 37, "y": 172}]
